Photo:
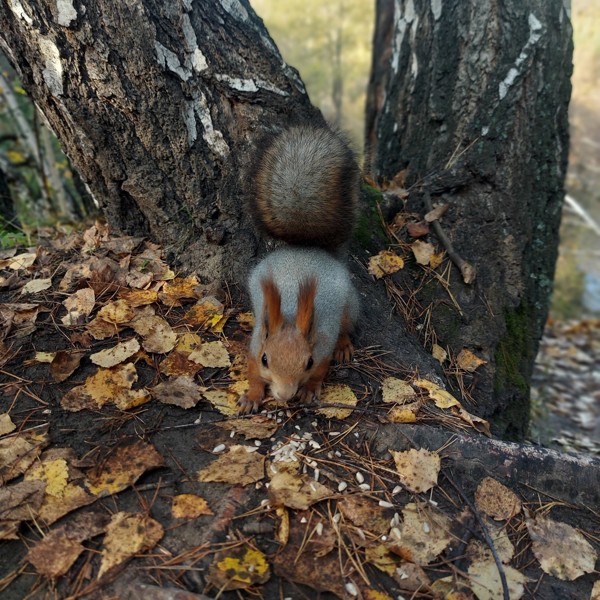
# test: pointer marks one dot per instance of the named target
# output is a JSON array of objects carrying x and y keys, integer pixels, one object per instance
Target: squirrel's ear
[
  {"x": 306, "y": 306},
  {"x": 272, "y": 310}
]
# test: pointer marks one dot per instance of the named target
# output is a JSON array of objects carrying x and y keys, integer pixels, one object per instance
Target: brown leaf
[
  {"x": 418, "y": 230},
  {"x": 241, "y": 465},
  {"x": 180, "y": 391},
  {"x": 296, "y": 491},
  {"x": 65, "y": 363},
  {"x": 127, "y": 534},
  {"x": 496, "y": 500}
]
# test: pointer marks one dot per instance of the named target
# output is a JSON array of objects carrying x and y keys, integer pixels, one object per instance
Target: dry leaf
[
  {"x": 486, "y": 583},
  {"x": 382, "y": 558},
  {"x": 180, "y": 391},
  {"x": 563, "y": 552},
  {"x": 118, "y": 312},
  {"x": 496, "y": 500},
  {"x": 241, "y": 465},
  {"x": 189, "y": 506},
  {"x": 239, "y": 568},
  {"x": 366, "y": 514},
  {"x": 418, "y": 469},
  {"x": 137, "y": 298},
  {"x": 206, "y": 311},
  {"x": 397, "y": 391},
  {"x": 467, "y": 361},
  {"x": 418, "y": 230},
  {"x": 22, "y": 261},
  {"x": 223, "y": 400},
  {"x": 123, "y": 468},
  {"x": 424, "y": 534},
  {"x": 18, "y": 452},
  {"x": 157, "y": 334},
  {"x": 106, "y": 386},
  {"x": 385, "y": 263},
  {"x": 35, "y": 286},
  {"x": 21, "y": 501},
  {"x": 127, "y": 534},
  {"x": 6, "y": 424},
  {"x": 211, "y": 354},
  {"x": 441, "y": 397},
  {"x": 180, "y": 288},
  {"x": 439, "y": 354},
  {"x": 296, "y": 491},
  {"x": 405, "y": 413},
  {"x": 65, "y": 363},
  {"x": 413, "y": 578},
  {"x": 337, "y": 394},
  {"x": 423, "y": 251},
  {"x": 54, "y": 555},
  {"x": 256, "y": 427},
  {"x": 115, "y": 355},
  {"x": 437, "y": 213}
]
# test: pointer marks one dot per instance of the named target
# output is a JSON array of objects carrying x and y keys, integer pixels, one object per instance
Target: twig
[
  {"x": 486, "y": 535},
  {"x": 467, "y": 269}
]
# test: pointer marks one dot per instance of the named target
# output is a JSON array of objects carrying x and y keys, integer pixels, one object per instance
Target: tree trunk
[
  {"x": 160, "y": 107},
  {"x": 475, "y": 115}
]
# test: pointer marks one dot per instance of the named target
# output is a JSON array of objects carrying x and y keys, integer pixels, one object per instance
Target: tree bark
[
  {"x": 475, "y": 114},
  {"x": 160, "y": 106}
]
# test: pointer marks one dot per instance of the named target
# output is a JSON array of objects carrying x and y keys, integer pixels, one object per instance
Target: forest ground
[{"x": 125, "y": 474}]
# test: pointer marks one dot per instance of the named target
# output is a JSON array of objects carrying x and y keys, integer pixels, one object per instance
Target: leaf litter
[{"x": 340, "y": 514}]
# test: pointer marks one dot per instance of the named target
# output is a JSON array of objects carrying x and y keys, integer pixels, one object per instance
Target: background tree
[{"x": 469, "y": 108}]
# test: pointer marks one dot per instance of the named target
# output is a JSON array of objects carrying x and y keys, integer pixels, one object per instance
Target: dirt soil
[{"x": 113, "y": 487}]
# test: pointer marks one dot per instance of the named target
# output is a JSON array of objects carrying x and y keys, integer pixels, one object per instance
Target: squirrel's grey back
[{"x": 335, "y": 294}]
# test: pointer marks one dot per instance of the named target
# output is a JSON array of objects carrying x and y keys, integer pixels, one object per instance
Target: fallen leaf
[
  {"x": 405, "y": 413},
  {"x": 118, "y": 312},
  {"x": 596, "y": 590},
  {"x": 21, "y": 501},
  {"x": 158, "y": 336},
  {"x": 117, "y": 354},
  {"x": 563, "y": 552},
  {"x": 35, "y": 286},
  {"x": 223, "y": 400},
  {"x": 382, "y": 558},
  {"x": 204, "y": 312},
  {"x": 437, "y": 212},
  {"x": 365, "y": 514},
  {"x": 412, "y": 577},
  {"x": 479, "y": 551},
  {"x": 137, "y": 298},
  {"x": 486, "y": 583},
  {"x": 397, "y": 391},
  {"x": 189, "y": 506},
  {"x": 65, "y": 363},
  {"x": 496, "y": 500},
  {"x": 256, "y": 427},
  {"x": 439, "y": 354},
  {"x": 468, "y": 361},
  {"x": 22, "y": 261},
  {"x": 418, "y": 469},
  {"x": 106, "y": 386},
  {"x": 423, "y": 251},
  {"x": 241, "y": 465},
  {"x": 423, "y": 534},
  {"x": 180, "y": 391},
  {"x": 211, "y": 354},
  {"x": 18, "y": 452},
  {"x": 127, "y": 534},
  {"x": 56, "y": 553},
  {"x": 418, "y": 230},
  {"x": 337, "y": 394},
  {"x": 239, "y": 568},
  {"x": 180, "y": 288},
  {"x": 6, "y": 424},
  {"x": 385, "y": 263},
  {"x": 296, "y": 491},
  {"x": 123, "y": 468},
  {"x": 441, "y": 397}
]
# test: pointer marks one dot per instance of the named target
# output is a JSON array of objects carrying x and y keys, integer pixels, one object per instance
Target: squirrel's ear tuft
[
  {"x": 272, "y": 308},
  {"x": 306, "y": 306}
]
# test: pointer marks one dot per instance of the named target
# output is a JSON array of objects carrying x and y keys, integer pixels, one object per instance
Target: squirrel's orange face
[{"x": 285, "y": 362}]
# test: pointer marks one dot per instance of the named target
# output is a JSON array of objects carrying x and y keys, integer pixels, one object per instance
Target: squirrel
[{"x": 305, "y": 306}]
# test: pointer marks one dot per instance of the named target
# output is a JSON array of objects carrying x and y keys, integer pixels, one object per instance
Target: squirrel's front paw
[
  {"x": 247, "y": 405},
  {"x": 309, "y": 395},
  {"x": 344, "y": 350}
]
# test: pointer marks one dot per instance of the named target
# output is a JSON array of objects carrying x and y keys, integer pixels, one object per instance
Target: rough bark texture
[
  {"x": 159, "y": 106},
  {"x": 476, "y": 113}
]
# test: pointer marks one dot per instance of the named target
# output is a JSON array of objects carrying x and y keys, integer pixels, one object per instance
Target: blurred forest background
[{"x": 330, "y": 44}]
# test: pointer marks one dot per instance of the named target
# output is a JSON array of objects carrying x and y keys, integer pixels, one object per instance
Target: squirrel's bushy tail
[{"x": 306, "y": 188}]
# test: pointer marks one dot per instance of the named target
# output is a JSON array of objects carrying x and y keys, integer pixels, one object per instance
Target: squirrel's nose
[{"x": 284, "y": 391}]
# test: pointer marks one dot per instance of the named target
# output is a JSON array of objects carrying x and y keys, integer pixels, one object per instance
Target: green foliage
[{"x": 12, "y": 239}]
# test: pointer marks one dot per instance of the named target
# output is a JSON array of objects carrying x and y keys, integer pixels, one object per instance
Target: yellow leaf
[
  {"x": 337, "y": 394},
  {"x": 189, "y": 506},
  {"x": 418, "y": 469},
  {"x": 385, "y": 263}
]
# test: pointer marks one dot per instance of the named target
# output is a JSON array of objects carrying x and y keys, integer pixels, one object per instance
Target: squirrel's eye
[
  {"x": 264, "y": 361},
  {"x": 309, "y": 364}
]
